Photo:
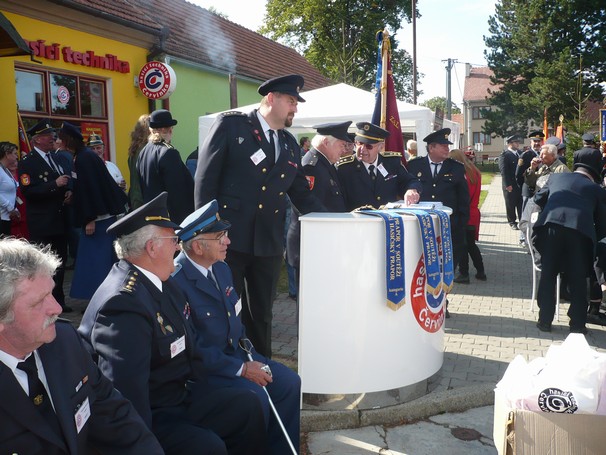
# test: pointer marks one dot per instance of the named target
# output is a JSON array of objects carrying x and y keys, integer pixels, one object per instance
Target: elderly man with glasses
[
  {"x": 206, "y": 280},
  {"x": 374, "y": 177}
]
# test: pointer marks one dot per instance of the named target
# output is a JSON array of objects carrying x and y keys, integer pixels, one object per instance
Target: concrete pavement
[{"x": 491, "y": 323}]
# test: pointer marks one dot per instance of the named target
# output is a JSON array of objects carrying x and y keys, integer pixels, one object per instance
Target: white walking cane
[{"x": 246, "y": 345}]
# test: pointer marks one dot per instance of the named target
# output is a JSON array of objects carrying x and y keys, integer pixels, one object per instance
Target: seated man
[
  {"x": 138, "y": 329},
  {"x": 53, "y": 398},
  {"x": 207, "y": 283}
]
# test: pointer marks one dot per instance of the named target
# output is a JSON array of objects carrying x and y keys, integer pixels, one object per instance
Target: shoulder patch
[
  {"x": 130, "y": 282},
  {"x": 390, "y": 154},
  {"x": 232, "y": 114},
  {"x": 346, "y": 159},
  {"x": 25, "y": 180}
]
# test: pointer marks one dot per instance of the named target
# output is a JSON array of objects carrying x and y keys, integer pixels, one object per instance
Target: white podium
[{"x": 350, "y": 341}]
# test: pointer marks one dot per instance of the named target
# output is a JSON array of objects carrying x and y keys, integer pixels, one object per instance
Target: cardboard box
[{"x": 518, "y": 432}]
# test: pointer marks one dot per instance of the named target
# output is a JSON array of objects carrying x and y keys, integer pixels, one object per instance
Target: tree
[
  {"x": 535, "y": 49},
  {"x": 338, "y": 37},
  {"x": 440, "y": 102}
]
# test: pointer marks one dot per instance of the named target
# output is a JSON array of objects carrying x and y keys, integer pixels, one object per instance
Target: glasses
[
  {"x": 222, "y": 238},
  {"x": 174, "y": 238}
]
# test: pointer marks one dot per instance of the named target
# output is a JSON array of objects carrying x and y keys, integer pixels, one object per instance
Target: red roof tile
[
  {"x": 200, "y": 36},
  {"x": 458, "y": 118},
  {"x": 477, "y": 84}
]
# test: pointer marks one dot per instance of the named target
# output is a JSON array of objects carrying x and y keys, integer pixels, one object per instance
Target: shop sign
[
  {"x": 87, "y": 58},
  {"x": 157, "y": 80}
]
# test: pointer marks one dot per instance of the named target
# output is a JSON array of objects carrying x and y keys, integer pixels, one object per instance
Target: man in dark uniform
[
  {"x": 207, "y": 284},
  {"x": 443, "y": 180},
  {"x": 328, "y": 146},
  {"x": 373, "y": 177},
  {"x": 137, "y": 327},
  {"x": 572, "y": 220},
  {"x": 508, "y": 161},
  {"x": 249, "y": 163},
  {"x": 536, "y": 138},
  {"x": 44, "y": 186},
  {"x": 589, "y": 145},
  {"x": 161, "y": 168},
  {"x": 53, "y": 398}
]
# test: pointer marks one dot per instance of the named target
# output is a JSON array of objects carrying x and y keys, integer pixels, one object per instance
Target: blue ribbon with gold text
[
  {"x": 447, "y": 258},
  {"x": 395, "y": 276}
]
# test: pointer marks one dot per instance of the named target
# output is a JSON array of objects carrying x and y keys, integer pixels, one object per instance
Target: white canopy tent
[{"x": 342, "y": 102}]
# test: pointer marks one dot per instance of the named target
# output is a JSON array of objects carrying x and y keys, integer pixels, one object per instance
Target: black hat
[
  {"x": 590, "y": 159},
  {"x": 338, "y": 130},
  {"x": 205, "y": 219},
  {"x": 154, "y": 212},
  {"x": 370, "y": 134},
  {"x": 71, "y": 130},
  {"x": 42, "y": 127},
  {"x": 536, "y": 135},
  {"x": 438, "y": 137},
  {"x": 588, "y": 138},
  {"x": 161, "y": 119},
  {"x": 513, "y": 138},
  {"x": 94, "y": 139},
  {"x": 290, "y": 85}
]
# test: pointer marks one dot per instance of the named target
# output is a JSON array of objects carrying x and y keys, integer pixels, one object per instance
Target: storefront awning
[{"x": 11, "y": 43}]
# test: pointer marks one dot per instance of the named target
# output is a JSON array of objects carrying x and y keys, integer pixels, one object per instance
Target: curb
[{"x": 434, "y": 403}]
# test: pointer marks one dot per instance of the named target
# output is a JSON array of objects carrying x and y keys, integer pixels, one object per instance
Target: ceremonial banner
[
  {"x": 545, "y": 125},
  {"x": 395, "y": 277},
  {"x": 386, "y": 113},
  {"x": 24, "y": 146}
]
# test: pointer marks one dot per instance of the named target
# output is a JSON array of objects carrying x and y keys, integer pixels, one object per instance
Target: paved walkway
[{"x": 491, "y": 323}]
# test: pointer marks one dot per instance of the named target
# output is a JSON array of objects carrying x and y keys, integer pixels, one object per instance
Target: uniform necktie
[
  {"x": 272, "y": 143},
  {"x": 435, "y": 169},
  {"x": 211, "y": 278},
  {"x": 371, "y": 171},
  {"x": 51, "y": 163},
  {"x": 38, "y": 394}
]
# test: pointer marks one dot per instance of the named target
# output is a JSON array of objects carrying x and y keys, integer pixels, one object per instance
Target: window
[
  {"x": 53, "y": 94},
  {"x": 30, "y": 91},
  {"x": 479, "y": 112},
  {"x": 481, "y": 138}
]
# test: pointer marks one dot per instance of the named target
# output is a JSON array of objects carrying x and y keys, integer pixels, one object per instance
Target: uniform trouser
[
  {"x": 215, "y": 421},
  {"x": 255, "y": 280},
  {"x": 472, "y": 251},
  {"x": 513, "y": 204},
  {"x": 285, "y": 392},
  {"x": 58, "y": 244},
  {"x": 564, "y": 250}
]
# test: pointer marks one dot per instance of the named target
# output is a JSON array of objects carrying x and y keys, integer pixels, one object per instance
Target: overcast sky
[{"x": 446, "y": 29}]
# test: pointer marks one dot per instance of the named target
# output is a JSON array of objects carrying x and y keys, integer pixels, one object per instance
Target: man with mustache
[
  {"x": 249, "y": 163},
  {"x": 53, "y": 398}
]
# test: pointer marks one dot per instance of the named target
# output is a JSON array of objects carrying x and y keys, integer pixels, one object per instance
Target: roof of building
[
  {"x": 457, "y": 118},
  {"x": 199, "y": 36},
  {"x": 477, "y": 84}
]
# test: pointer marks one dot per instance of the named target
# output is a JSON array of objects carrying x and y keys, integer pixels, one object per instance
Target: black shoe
[
  {"x": 462, "y": 278},
  {"x": 66, "y": 309},
  {"x": 446, "y": 313},
  {"x": 596, "y": 319},
  {"x": 292, "y": 297},
  {"x": 582, "y": 330},
  {"x": 514, "y": 226},
  {"x": 481, "y": 276},
  {"x": 543, "y": 327}
]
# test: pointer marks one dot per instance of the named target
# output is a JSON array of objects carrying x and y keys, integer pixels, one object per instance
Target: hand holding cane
[{"x": 246, "y": 345}]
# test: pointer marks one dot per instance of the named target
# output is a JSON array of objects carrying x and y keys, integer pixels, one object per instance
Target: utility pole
[
  {"x": 450, "y": 63},
  {"x": 414, "y": 51}
]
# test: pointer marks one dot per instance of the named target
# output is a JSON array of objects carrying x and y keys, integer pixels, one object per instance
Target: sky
[{"x": 446, "y": 29}]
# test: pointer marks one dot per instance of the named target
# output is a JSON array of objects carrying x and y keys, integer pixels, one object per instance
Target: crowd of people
[{"x": 173, "y": 353}]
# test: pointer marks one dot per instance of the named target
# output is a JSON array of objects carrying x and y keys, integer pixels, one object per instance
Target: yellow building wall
[{"x": 125, "y": 101}]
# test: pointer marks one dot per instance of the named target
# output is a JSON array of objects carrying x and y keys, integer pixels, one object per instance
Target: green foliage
[
  {"x": 537, "y": 50},
  {"x": 338, "y": 37},
  {"x": 440, "y": 102}
]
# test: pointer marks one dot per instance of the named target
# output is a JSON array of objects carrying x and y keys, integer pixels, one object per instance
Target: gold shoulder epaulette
[
  {"x": 346, "y": 159},
  {"x": 232, "y": 113},
  {"x": 390, "y": 154},
  {"x": 130, "y": 282}
]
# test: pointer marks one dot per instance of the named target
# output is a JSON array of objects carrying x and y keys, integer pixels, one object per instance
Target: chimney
[
  {"x": 233, "y": 91},
  {"x": 467, "y": 69}
]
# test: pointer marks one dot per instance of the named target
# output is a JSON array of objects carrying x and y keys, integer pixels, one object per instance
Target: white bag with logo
[{"x": 568, "y": 380}]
